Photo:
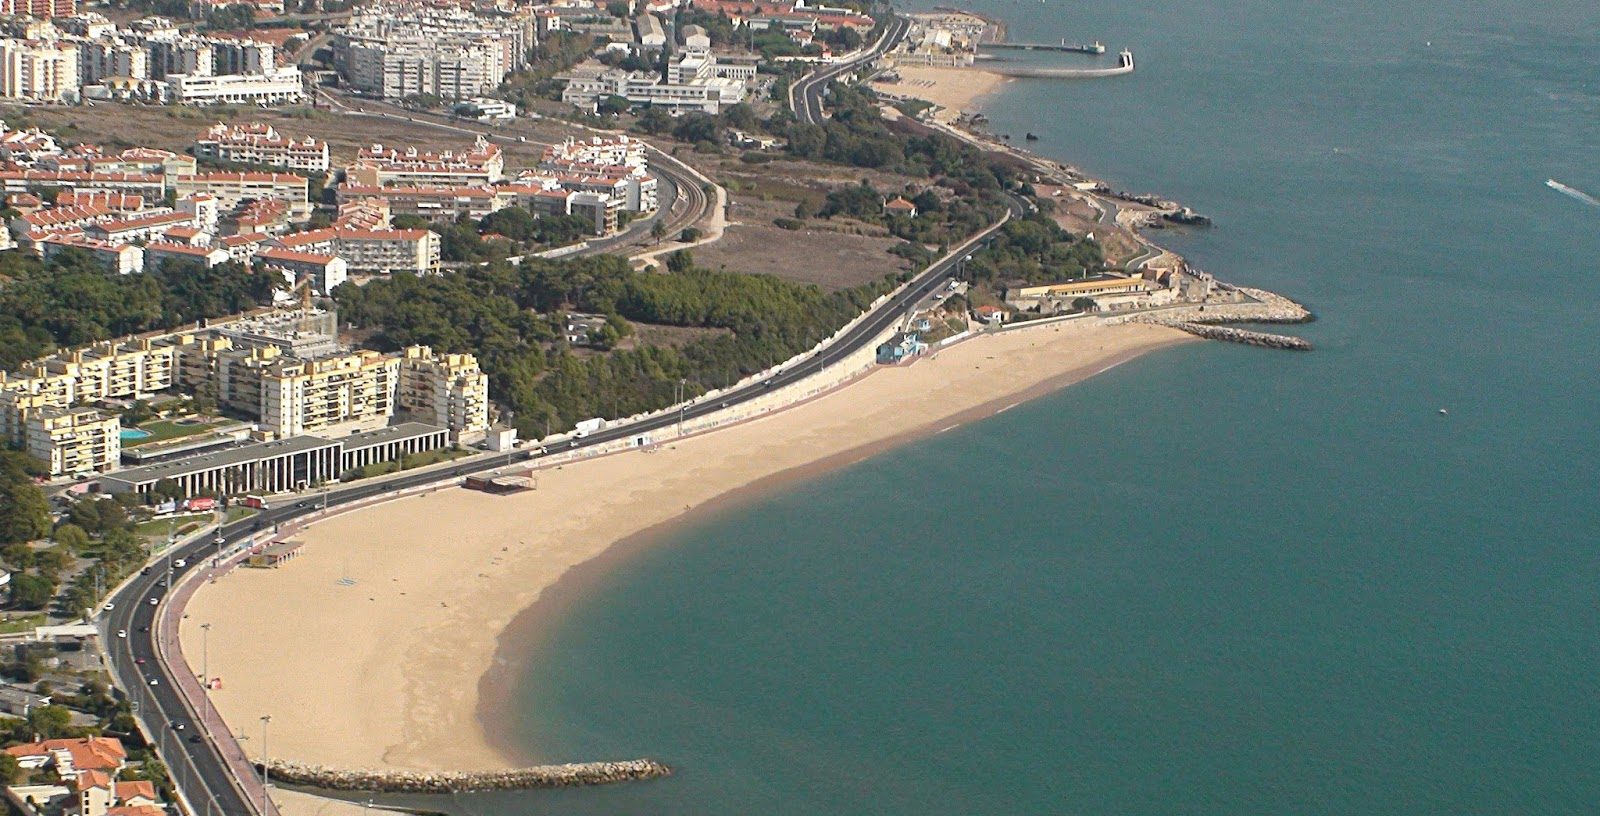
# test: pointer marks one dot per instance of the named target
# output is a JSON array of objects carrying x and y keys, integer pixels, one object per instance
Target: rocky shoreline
[{"x": 573, "y": 775}]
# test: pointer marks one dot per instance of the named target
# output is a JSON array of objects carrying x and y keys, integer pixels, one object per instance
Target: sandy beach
[
  {"x": 954, "y": 90},
  {"x": 371, "y": 648}
]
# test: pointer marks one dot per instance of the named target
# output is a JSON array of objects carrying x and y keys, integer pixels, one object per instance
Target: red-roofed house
[
  {"x": 110, "y": 199},
  {"x": 137, "y": 793},
  {"x": 156, "y": 254},
  {"x": 93, "y": 794},
  {"x": 231, "y": 189},
  {"x": 138, "y": 227},
  {"x": 900, "y": 206},
  {"x": 72, "y": 756},
  {"x": 193, "y": 236},
  {"x": 241, "y": 247},
  {"x": 326, "y": 271},
  {"x": 121, "y": 259}
]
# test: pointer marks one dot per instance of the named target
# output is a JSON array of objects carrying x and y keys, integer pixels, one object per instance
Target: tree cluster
[
  {"x": 72, "y": 300},
  {"x": 512, "y": 318}
]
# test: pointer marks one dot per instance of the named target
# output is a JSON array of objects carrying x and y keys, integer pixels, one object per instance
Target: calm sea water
[{"x": 1218, "y": 580}]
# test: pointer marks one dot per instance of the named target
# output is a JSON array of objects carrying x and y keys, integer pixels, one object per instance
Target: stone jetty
[
  {"x": 572, "y": 775},
  {"x": 1249, "y": 338},
  {"x": 1245, "y": 305}
]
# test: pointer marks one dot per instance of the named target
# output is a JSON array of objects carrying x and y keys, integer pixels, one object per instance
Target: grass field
[
  {"x": 161, "y": 430},
  {"x": 158, "y": 528}
]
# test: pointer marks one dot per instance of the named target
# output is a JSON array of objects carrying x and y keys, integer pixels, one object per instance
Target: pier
[
  {"x": 1124, "y": 66},
  {"x": 1092, "y": 48}
]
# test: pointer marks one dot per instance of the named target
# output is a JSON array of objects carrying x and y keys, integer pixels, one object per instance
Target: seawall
[
  {"x": 578, "y": 774},
  {"x": 1249, "y": 338}
]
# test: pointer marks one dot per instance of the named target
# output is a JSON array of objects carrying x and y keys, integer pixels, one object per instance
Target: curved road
[
  {"x": 209, "y": 781},
  {"x": 806, "y": 94}
]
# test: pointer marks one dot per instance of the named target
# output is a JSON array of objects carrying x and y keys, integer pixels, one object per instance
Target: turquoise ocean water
[{"x": 1217, "y": 580}]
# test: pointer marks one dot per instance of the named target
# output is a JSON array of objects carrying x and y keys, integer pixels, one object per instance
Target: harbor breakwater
[
  {"x": 573, "y": 775},
  {"x": 1253, "y": 306}
]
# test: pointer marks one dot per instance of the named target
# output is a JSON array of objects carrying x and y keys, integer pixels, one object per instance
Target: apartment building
[
  {"x": 378, "y": 165},
  {"x": 323, "y": 271},
  {"x": 621, "y": 149},
  {"x": 102, "y": 58},
  {"x": 232, "y": 189},
  {"x": 74, "y": 441},
  {"x": 279, "y": 86},
  {"x": 160, "y": 253},
  {"x": 292, "y": 396},
  {"x": 370, "y": 251},
  {"x": 453, "y": 52},
  {"x": 153, "y": 188},
  {"x": 117, "y": 258},
  {"x": 436, "y": 204},
  {"x": 445, "y": 389},
  {"x": 260, "y": 143},
  {"x": 36, "y": 71},
  {"x": 47, "y": 9},
  {"x": 138, "y": 227}
]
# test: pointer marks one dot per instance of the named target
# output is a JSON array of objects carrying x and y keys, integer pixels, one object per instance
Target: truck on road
[{"x": 588, "y": 426}]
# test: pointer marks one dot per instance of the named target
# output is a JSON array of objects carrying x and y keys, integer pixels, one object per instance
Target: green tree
[
  {"x": 24, "y": 511},
  {"x": 680, "y": 261},
  {"x": 689, "y": 235},
  {"x": 31, "y": 591},
  {"x": 50, "y": 721},
  {"x": 619, "y": 8},
  {"x": 10, "y": 769},
  {"x": 658, "y": 230}
]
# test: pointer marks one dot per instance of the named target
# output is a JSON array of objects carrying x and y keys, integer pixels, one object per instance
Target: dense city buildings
[{"x": 394, "y": 50}]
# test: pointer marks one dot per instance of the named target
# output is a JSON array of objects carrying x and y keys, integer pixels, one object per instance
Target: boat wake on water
[{"x": 1573, "y": 192}]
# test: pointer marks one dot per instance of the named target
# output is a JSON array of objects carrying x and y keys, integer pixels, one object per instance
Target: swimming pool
[{"x": 129, "y": 434}]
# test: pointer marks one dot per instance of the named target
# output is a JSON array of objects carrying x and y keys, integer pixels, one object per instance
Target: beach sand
[
  {"x": 955, "y": 90},
  {"x": 386, "y": 671}
]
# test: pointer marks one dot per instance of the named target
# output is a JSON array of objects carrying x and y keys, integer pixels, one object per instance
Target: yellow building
[
  {"x": 1089, "y": 287},
  {"x": 290, "y": 396},
  {"x": 74, "y": 441},
  {"x": 445, "y": 389}
]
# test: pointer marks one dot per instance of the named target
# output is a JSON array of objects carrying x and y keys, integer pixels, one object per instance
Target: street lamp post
[
  {"x": 205, "y": 655},
  {"x": 681, "y": 404},
  {"x": 265, "y": 718}
]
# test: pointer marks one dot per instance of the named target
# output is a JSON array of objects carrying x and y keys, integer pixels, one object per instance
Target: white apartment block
[
  {"x": 323, "y": 272},
  {"x": 623, "y": 150},
  {"x": 280, "y": 86},
  {"x": 395, "y": 50},
  {"x": 74, "y": 441},
  {"x": 33, "y": 71},
  {"x": 585, "y": 87},
  {"x": 381, "y": 166},
  {"x": 260, "y": 143},
  {"x": 104, "y": 58},
  {"x": 230, "y": 189},
  {"x": 117, "y": 258}
]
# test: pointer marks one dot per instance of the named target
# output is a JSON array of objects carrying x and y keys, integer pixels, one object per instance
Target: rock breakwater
[
  {"x": 1249, "y": 338},
  {"x": 571, "y": 775}
]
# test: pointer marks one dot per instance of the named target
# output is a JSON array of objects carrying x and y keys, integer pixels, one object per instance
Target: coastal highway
[
  {"x": 805, "y": 95},
  {"x": 215, "y": 785}
]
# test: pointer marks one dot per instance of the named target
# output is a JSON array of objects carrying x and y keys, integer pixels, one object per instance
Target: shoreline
[
  {"x": 395, "y": 638},
  {"x": 530, "y": 629}
]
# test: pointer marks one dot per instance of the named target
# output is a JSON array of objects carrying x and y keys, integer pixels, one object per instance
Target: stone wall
[{"x": 543, "y": 776}]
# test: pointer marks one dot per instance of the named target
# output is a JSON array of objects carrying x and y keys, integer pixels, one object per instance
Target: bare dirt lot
[{"x": 832, "y": 260}]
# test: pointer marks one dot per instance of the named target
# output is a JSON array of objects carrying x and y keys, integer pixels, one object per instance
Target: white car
[
  {"x": 154, "y": 601},
  {"x": 154, "y": 682},
  {"x": 109, "y": 606},
  {"x": 122, "y": 633},
  {"x": 179, "y": 563}
]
